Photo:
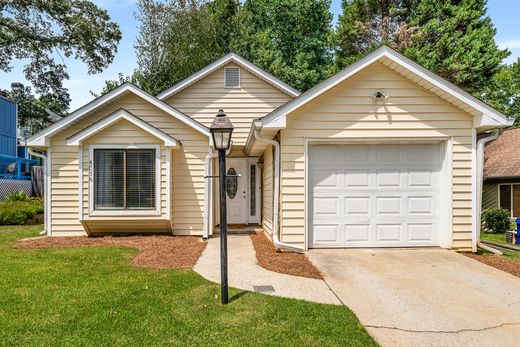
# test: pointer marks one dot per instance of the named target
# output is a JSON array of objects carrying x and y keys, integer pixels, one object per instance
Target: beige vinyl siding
[
  {"x": 348, "y": 111},
  {"x": 187, "y": 166},
  {"x": 267, "y": 190},
  {"x": 489, "y": 195},
  {"x": 255, "y": 98}
]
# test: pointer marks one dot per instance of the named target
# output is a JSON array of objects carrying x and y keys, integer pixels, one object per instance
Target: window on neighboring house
[
  {"x": 124, "y": 179},
  {"x": 232, "y": 77},
  {"x": 509, "y": 198}
]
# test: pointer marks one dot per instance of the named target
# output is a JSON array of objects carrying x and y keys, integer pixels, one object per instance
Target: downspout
[
  {"x": 276, "y": 195},
  {"x": 208, "y": 192},
  {"x": 46, "y": 202},
  {"x": 480, "y": 173}
]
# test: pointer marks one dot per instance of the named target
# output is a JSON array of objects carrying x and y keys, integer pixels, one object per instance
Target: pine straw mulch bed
[
  {"x": 155, "y": 252},
  {"x": 289, "y": 263},
  {"x": 497, "y": 261}
]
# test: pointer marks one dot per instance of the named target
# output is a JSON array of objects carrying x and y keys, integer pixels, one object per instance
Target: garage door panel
[
  {"x": 357, "y": 206},
  {"x": 389, "y": 232},
  {"x": 421, "y": 232},
  {"x": 357, "y": 233},
  {"x": 376, "y": 196},
  {"x": 388, "y": 205},
  {"x": 324, "y": 178},
  {"x": 388, "y": 178},
  {"x": 357, "y": 179},
  {"x": 327, "y": 234},
  {"x": 420, "y": 205},
  {"x": 420, "y": 178},
  {"x": 326, "y": 206}
]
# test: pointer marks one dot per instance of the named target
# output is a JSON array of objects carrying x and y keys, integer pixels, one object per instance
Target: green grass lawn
[
  {"x": 495, "y": 237},
  {"x": 500, "y": 237},
  {"x": 94, "y": 297}
]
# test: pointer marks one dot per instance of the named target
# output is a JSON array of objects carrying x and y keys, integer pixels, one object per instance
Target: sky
[{"x": 503, "y": 13}]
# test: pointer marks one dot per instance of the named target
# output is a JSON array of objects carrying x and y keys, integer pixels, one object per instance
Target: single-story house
[
  {"x": 502, "y": 173},
  {"x": 382, "y": 154}
]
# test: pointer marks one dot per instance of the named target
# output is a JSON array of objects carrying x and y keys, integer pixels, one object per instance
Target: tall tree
[
  {"x": 38, "y": 30},
  {"x": 453, "y": 38},
  {"x": 503, "y": 92},
  {"x": 367, "y": 24},
  {"x": 35, "y": 113},
  {"x": 179, "y": 37},
  {"x": 456, "y": 40},
  {"x": 288, "y": 38}
]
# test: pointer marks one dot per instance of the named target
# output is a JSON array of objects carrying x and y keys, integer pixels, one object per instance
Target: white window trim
[
  {"x": 239, "y": 77},
  {"x": 512, "y": 200},
  {"x": 101, "y": 213}
]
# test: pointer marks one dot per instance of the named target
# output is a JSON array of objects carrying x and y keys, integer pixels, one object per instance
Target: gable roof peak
[{"x": 217, "y": 64}]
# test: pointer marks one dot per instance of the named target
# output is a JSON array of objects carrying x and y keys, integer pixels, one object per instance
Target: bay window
[{"x": 124, "y": 179}]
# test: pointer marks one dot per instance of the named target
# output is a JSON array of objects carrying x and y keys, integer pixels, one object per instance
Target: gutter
[
  {"x": 46, "y": 189},
  {"x": 480, "y": 171},
  {"x": 276, "y": 195}
]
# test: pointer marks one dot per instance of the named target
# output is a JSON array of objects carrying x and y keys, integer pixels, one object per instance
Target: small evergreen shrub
[
  {"x": 17, "y": 196},
  {"x": 18, "y": 212},
  {"x": 497, "y": 220}
]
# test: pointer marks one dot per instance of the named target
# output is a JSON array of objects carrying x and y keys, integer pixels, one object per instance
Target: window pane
[
  {"x": 109, "y": 178},
  {"x": 140, "y": 178},
  {"x": 516, "y": 201},
  {"x": 252, "y": 190},
  {"x": 505, "y": 197}
]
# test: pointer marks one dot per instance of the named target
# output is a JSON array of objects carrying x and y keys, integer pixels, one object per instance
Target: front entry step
[{"x": 240, "y": 229}]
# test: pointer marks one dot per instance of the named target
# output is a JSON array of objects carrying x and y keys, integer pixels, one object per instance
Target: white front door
[
  {"x": 374, "y": 195},
  {"x": 236, "y": 192}
]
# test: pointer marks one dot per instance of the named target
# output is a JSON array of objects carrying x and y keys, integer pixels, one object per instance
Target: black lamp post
[{"x": 221, "y": 130}]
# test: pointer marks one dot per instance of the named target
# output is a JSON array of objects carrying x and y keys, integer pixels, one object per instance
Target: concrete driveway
[{"x": 426, "y": 297}]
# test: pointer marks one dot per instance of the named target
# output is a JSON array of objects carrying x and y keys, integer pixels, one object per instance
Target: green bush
[
  {"x": 497, "y": 220},
  {"x": 17, "y": 196},
  {"x": 18, "y": 212}
]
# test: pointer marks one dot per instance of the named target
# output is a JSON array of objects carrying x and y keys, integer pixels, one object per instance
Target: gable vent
[{"x": 232, "y": 77}]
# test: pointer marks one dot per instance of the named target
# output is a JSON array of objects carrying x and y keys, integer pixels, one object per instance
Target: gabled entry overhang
[
  {"x": 42, "y": 138},
  {"x": 76, "y": 139}
]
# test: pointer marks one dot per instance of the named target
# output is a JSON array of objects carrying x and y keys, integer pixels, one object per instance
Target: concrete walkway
[
  {"x": 426, "y": 297},
  {"x": 245, "y": 273}
]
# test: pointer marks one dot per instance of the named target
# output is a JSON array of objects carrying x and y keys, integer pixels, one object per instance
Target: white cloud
[{"x": 511, "y": 44}]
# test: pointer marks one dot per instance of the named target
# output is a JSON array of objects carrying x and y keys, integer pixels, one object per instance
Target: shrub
[
  {"x": 18, "y": 212},
  {"x": 17, "y": 196},
  {"x": 497, "y": 220}
]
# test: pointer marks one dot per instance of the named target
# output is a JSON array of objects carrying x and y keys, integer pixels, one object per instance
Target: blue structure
[
  {"x": 16, "y": 168},
  {"x": 11, "y": 165},
  {"x": 8, "y": 126}
]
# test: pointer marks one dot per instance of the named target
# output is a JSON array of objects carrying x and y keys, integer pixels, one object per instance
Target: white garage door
[{"x": 374, "y": 195}]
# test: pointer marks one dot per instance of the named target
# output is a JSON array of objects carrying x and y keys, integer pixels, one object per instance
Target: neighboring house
[
  {"x": 502, "y": 173},
  {"x": 8, "y": 124},
  {"x": 382, "y": 154}
]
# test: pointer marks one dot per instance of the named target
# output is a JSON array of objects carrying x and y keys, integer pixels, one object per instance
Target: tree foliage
[
  {"x": 288, "y": 38},
  {"x": 453, "y": 38},
  {"x": 42, "y": 31},
  {"x": 179, "y": 37},
  {"x": 503, "y": 91},
  {"x": 34, "y": 113}
]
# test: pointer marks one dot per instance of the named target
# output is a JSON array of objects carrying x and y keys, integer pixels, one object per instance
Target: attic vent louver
[{"x": 232, "y": 77}]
